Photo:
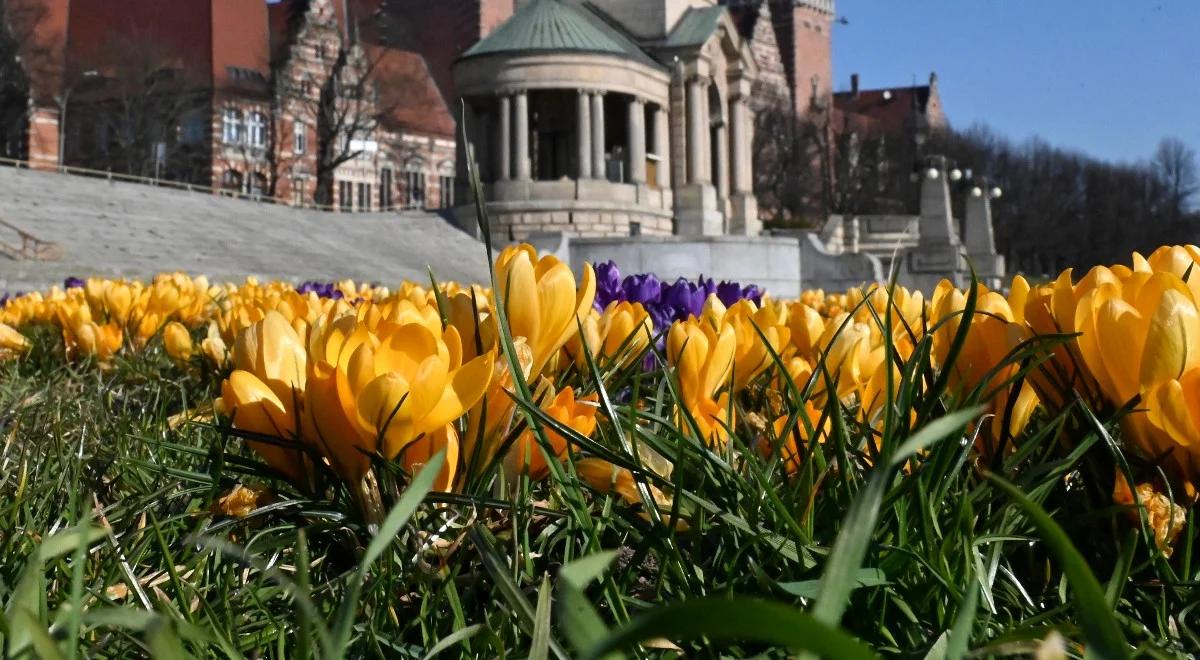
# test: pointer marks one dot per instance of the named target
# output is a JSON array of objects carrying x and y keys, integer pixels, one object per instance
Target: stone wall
[
  {"x": 770, "y": 262},
  {"x": 520, "y": 225},
  {"x": 822, "y": 269}
]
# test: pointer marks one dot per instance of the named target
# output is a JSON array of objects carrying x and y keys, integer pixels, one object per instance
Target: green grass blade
[
  {"x": 841, "y": 573},
  {"x": 540, "y": 647},
  {"x": 579, "y": 619},
  {"x": 1100, "y": 627},
  {"x": 453, "y": 639},
  {"x": 720, "y": 619},
  {"x": 399, "y": 516}
]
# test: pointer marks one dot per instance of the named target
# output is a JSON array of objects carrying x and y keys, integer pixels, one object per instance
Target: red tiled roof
[
  {"x": 888, "y": 109},
  {"x": 408, "y": 96}
]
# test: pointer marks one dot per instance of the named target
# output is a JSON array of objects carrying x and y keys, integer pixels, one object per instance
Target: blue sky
[{"x": 1107, "y": 77}]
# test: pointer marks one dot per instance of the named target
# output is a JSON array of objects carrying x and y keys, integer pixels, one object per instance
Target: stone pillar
[
  {"x": 937, "y": 224},
  {"x": 637, "y": 141},
  {"x": 598, "y": 165},
  {"x": 706, "y": 145},
  {"x": 979, "y": 240},
  {"x": 938, "y": 254},
  {"x": 721, "y": 153},
  {"x": 740, "y": 129},
  {"x": 744, "y": 218},
  {"x": 521, "y": 132},
  {"x": 662, "y": 148},
  {"x": 583, "y": 133},
  {"x": 977, "y": 230},
  {"x": 697, "y": 129},
  {"x": 504, "y": 169}
]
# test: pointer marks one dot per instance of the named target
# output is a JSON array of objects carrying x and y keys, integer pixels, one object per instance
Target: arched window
[
  {"x": 414, "y": 178},
  {"x": 385, "y": 189},
  {"x": 446, "y": 183},
  {"x": 231, "y": 181},
  {"x": 231, "y": 132},
  {"x": 256, "y": 129},
  {"x": 258, "y": 185},
  {"x": 299, "y": 137}
]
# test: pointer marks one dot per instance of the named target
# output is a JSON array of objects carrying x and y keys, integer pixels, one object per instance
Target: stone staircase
[{"x": 97, "y": 227}]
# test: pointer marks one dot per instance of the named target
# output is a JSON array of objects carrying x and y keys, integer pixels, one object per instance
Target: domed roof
[{"x": 556, "y": 26}]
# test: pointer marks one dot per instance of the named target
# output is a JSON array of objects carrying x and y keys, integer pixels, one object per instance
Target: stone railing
[{"x": 31, "y": 247}]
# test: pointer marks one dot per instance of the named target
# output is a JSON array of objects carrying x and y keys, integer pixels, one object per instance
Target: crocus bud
[{"x": 178, "y": 341}]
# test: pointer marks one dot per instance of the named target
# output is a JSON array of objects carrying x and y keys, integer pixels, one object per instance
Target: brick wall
[{"x": 812, "y": 56}]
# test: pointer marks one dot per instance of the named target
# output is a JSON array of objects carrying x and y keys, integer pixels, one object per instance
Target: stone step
[{"x": 131, "y": 230}]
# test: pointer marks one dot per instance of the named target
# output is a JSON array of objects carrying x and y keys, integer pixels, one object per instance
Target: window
[
  {"x": 446, "y": 183},
  {"x": 191, "y": 129},
  {"x": 385, "y": 189},
  {"x": 364, "y": 197},
  {"x": 258, "y": 185},
  {"x": 415, "y": 185},
  {"x": 299, "y": 137},
  {"x": 345, "y": 196},
  {"x": 298, "y": 192},
  {"x": 232, "y": 131},
  {"x": 231, "y": 181},
  {"x": 256, "y": 128}
]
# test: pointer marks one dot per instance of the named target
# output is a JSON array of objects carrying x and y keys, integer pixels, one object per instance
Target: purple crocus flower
[
  {"x": 72, "y": 283},
  {"x": 729, "y": 293},
  {"x": 608, "y": 284},
  {"x": 684, "y": 299},
  {"x": 644, "y": 289},
  {"x": 753, "y": 294},
  {"x": 322, "y": 289}
]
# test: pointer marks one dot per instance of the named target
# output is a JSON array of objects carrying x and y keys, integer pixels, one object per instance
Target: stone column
[
  {"x": 598, "y": 166},
  {"x": 706, "y": 145},
  {"x": 744, "y": 218},
  {"x": 661, "y": 147},
  {"x": 739, "y": 138},
  {"x": 697, "y": 129},
  {"x": 506, "y": 147},
  {"x": 721, "y": 153},
  {"x": 521, "y": 132},
  {"x": 936, "y": 226},
  {"x": 637, "y": 141},
  {"x": 583, "y": 133}
]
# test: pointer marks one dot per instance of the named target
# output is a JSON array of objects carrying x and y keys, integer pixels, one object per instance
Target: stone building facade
[{"x": 613, "y": 118}]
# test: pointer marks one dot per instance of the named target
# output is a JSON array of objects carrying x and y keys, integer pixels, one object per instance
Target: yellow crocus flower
[{"x": 541, "y": 300}]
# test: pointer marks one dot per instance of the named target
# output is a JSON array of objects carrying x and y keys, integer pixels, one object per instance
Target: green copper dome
[{"x": 557, "y": 26}]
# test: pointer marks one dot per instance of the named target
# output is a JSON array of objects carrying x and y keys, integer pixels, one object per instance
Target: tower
[
  {"x": 807, "y": 47},
  {"x": 802, "y": 39},
  {"x": 443, "y": 30}
]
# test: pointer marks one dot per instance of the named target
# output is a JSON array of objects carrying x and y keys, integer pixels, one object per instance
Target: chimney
[{"x": 854, "y": 85}]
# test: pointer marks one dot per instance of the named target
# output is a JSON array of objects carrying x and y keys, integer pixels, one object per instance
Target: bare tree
[
  {"x": 137, "y": 113},
  {"x": 1174, "y": 167},
  {"x": 787, "y": 178},
  {"x": 347, "y": 94},
  {"x": 337, "y": 95},
  {"x": 19, "y": 50}
]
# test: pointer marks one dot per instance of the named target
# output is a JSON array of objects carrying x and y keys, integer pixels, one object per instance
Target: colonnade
[{"x": 513, "y": 154}]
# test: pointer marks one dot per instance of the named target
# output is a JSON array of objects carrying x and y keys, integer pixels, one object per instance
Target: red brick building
[
  {"x": 300, "y": 100},
  {"x": 893, "y": 109}
]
